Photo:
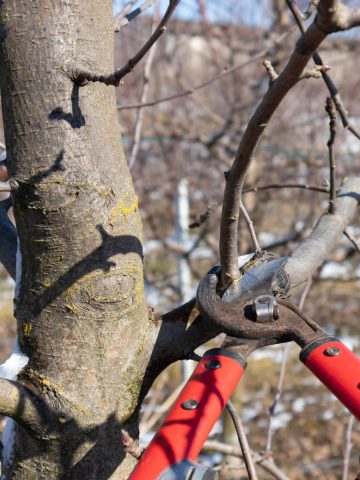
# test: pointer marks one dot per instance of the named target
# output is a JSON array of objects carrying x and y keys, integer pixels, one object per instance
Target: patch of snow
[
  {"x": 327, "y": 415},
  {"x": 281, "y": 419},
  {"x": 336, "y": 271},
  {"x": 14, "y": 364},
  {"x": 298, "y": 405},
  {"x": 243, "y": 259}
]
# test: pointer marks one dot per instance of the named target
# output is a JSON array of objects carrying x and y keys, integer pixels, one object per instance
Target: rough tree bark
[{"x": 81, "y": 314}]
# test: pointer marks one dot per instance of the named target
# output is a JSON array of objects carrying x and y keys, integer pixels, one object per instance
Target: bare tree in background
[{"x": 94, "y": 347}]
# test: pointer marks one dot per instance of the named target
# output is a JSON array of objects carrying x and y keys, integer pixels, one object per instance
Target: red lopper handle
[
  {"x": 189, "y": 422},
  {"x": 338, "y": 368}
]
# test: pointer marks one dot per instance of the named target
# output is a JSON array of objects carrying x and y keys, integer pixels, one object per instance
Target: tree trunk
[{"x": 81, "y": 314}]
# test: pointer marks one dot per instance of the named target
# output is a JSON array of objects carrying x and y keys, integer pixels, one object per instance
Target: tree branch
[
  {"x": 178, "y": 333},
  {"x": 81, "y": 76},
  {"x": 236, "y": 176},
  {"x": 325, "y": 22},
  {"x": 267, "y": 465},
  {"x": 140, "y": 112},
  {"x": 244, "y": 445},
  {"x": 331, "y": 111},
  {"x": 19, "y": 403}
]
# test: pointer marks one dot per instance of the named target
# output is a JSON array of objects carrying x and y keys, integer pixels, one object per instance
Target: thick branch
[
  {"x": 312, "y": 252},
  {"x": 178, "y": 334},
  {"x": 19, "y": 403},
  {"x": 235, "y": 179}
]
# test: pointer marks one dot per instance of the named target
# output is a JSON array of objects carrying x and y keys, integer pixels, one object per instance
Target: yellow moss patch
[
  {"x": 71, "y": 307},
  {"x": 127, "y": 206},
  {"x": 4, "y": 18},
  {"x": 47, "y": 282},
  {"x": 26, "y": 328}
]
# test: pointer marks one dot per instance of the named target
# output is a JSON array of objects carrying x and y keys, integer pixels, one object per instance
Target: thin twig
[
  {"x": 211, "y": 209},
  {"x": 211, "y": 80},
  {"x": 331, "y": 111},
  {"x": 251, "y": 229},
  {"x": 311, "y": 7},
  {"x": 304, "y": 186},
  {"x": 348, "y": 447},
  {"x": 131, "y": 446},
  {"x": 278, "y": 394},
  {"x": 352, "y": 239},
  {"x": 164, "y": 407},
  {"x": 305, "y": 293},
  {"x": 81, "y": 76},
  {"x": 291, "y": 306},
  {"x": 144, "y": 95},
  {"x": 244, "y": 445},
  {"x": 267, "y": 465},
  {"x": 270, "y": 70},
  {"x": 125, "y": 18},
  {"x": 202, "y": 218}
]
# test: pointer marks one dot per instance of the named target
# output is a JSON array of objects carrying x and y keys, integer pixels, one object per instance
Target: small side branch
[
  {"x": 352, "y": 239},
  {"x": 131, "y": 446},
  {"x": 81, "y": 76},
  {"x": 348, "y": 447},
  {"x": 244, "y": 445},
  {"x": 140, "y": 112},
  {"x": 251, "y": 228}
]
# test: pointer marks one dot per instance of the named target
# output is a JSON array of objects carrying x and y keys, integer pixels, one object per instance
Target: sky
[{"x": 250, "y": 12}]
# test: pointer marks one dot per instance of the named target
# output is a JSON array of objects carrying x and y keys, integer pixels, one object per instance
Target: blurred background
[{"x": 182, "y": 112}]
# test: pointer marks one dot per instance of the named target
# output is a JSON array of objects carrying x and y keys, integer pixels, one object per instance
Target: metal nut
[
  {"x": 332, "y": 351},
  {"x": 266, "y": 308},
  {"x": 190, "y": 404}
]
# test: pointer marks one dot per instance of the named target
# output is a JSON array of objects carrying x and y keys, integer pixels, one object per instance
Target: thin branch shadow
[
  {"x": 98, "y": 259},
  {"x": 76, "y": 119}
]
